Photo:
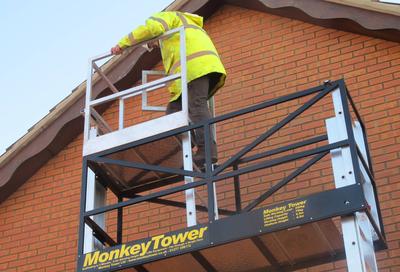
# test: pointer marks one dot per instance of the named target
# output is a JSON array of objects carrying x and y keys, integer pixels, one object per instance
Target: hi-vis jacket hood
[{"x": 202, "y": 57}]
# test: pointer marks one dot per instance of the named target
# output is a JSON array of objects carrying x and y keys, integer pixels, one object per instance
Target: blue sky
[{"x": 45, "y": 46}]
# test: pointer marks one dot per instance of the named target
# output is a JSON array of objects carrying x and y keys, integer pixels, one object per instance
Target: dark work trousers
[{"x": 198, "y": 110}]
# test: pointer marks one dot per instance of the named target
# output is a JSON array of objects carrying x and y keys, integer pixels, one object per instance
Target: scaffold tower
[{"x": 151, "y": 161}]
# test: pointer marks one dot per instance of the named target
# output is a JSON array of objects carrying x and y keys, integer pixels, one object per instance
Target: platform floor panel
[
  {"x": 131, "y": 134},
  {"x": 186, "y": 261},
  {"x": 289, "y": 248},
  {"x": 237, "y": 256}
]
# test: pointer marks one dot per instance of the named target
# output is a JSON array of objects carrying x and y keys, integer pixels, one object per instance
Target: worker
[{"x": 205, "y": 71}]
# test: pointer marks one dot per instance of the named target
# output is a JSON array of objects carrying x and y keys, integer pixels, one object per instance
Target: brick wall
[
  {"x": 38, "y": 223},
  {"x": 266, "y": 56}
]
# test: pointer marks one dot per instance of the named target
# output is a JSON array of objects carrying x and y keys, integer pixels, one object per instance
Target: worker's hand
[{"x": 116, "y": 50}]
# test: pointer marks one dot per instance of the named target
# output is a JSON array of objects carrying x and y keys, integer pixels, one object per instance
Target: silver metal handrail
[{"x": 91, "y": 113}]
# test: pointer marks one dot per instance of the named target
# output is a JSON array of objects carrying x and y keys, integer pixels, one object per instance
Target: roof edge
[
  {"x": 337, "y": 14},
  {"x": 53, "y": 114},
  {"x": 376, "y": 6}
]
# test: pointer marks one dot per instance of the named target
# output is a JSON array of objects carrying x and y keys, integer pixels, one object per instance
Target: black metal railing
[{"x": 231, "y": 167}]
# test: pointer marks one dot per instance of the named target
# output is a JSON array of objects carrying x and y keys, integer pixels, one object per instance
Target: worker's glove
[
  {"x": 116, "y": 50},
  {"x": 151, "y": 45},
  {"x": 147, "y": 47}
]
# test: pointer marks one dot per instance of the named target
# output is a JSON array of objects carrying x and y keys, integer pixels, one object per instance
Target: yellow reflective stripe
[
  {"x": 194, "y": 27},
  {"x": 131, "y": 38},
  {"x": 183, "y": 19},
  {"x": 190, "y": 57},
  {"x": 186, "y": 24},
  {"x": 161, "y": 21}
]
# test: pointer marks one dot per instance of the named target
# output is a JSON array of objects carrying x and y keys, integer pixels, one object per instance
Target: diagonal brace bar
[
  {"x": 274, "y": 129},
  {"x": 100, "y": 121},
  {"x": 284, "y": 181},
  {"x": 284, "y": 149},
  {"x": 100, "y": 234},
  {"x": 107, "y": 80}
]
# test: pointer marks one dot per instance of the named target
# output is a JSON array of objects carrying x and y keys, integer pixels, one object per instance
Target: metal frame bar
[
  {"x": 381, "y": 231},
  {"x": 356, "y": 228},
  {"x": 278, "y": 161},
  {"x": 183, "y": 205},
  {"x": 89, "y": 103},
  {"x": 274, "y": 129},
  {"x": 220, "y": 118},
  {"x": 99, "y": 233},
  {"x": 284, "y": 181},
  {"x": 148, "y": 167},
  {"x": 284, "y": 149},
  {"x": 146, "y": 107},
  {"x": 152, "y": 185},
  {"x": 146, "y": 197},
  {"x": 89, "y": 110},
  {"x": 133, "y": 90},
  {"x": 208, "y": 179},
  {"x": 266, "y": 253},
  {"x": 203, "y": 261},
  {"x": 141, "y": 268},
  {"x": 82, "y": 224},
  {"x": 120, "y": 217},
  {"x": 350, "y": 132},
  {"x": 106, "y": 79},
  {"x": 100, "y": 121},
  {"x": 236, "y": 184},
  {"x": 246, "y": 226},
  {"x": 159, "y": 161}
]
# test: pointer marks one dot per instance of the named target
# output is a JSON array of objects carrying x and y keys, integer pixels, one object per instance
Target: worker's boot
[{"x": 200, "y": 157}]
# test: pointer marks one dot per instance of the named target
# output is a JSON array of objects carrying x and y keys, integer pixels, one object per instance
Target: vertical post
[
  {"x": 215, "y": 199},
  {"x": 88, "y": 98},
  {"x": 186, "y": 137},
  {"x": 95, "y": 198},
  {"x": 369, "y": 162},
  {"x": 144, "y": 92},
  {"x": 365, "y": 140},
  {"x": 81, "y": 236},
  {"x": 190, "y": 193},
  {"x": 121, "y": 113},
  {"x": 357, "y": 236},
  {"x": 236, "y": 183},
  {"x": 88, "y": 245},
  {"x": 366, "y": 181},
  {"x": 212, "y": 197},
  {"x": 120, "y": 222},
  {"x": 210, "y": 194},
  {"x": 213, "y": 133},
  {"x": 349, "y": 130}
]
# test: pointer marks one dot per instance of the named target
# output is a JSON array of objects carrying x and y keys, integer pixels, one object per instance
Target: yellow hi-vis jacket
[{"x": 202, "y": 57}]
